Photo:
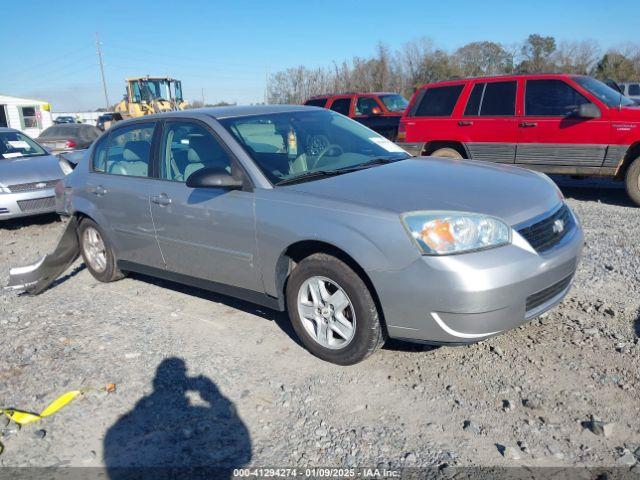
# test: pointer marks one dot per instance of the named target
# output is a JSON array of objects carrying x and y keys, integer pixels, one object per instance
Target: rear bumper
[
  {"x": 24, "y": 204},
  {"x": 414, "y": 148},
  {"x": 468, "y": 298}
]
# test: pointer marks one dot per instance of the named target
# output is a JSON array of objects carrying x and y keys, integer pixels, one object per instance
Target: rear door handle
[
  {"x": 528, "y": 124},
  {"x": 98, "y": 191},
  {"x": 163, "y": 200},
  {"x": 465, "y": 123}
]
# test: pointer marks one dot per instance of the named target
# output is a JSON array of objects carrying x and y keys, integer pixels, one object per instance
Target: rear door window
[
  {"x": 473, "y": 104},
  {"x": 129, "y": 151},
  {"x": 316, "y": 102},
  {"x": 551, "y": 98},
  {"x": 341, "y": 105},
  {"x": 438, "y": 101},
  {"x": 634, "y": 89},
  {"x": 499, "y": 99}
]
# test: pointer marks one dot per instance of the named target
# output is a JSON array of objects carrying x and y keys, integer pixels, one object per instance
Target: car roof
[
  {"x": 223, "y": 112},
  {"x": 8, "y": 129},
  {"x": 347, "y": 94}
]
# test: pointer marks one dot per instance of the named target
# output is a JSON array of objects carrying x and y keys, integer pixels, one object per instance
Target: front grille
[
  {"x": 546, "y": 233},
  {"x": 26, "y": 187},
  {"x": 35, "y": 204},
  {"x": 543, "y": 296}
]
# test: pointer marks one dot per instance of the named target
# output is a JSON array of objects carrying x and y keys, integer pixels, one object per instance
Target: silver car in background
[
  {"x": 302, "y": 209},
  {"x": 28, "y": 176}
]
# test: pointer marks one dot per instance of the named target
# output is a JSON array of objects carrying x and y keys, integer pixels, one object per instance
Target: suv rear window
[
  {"x": 316, "y": 102},
  {"x": 438, "y": 101},
  {"x": 495, "y": 99},
  {"x": 341, "y": 105}
]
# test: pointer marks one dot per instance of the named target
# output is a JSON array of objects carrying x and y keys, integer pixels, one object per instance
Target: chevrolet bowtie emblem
[
  {"x": 41, "y": 185},
  {"x": 558, "y": 226}
]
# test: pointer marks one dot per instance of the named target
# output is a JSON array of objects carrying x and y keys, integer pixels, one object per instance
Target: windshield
[
  {"x": 605, "y": 93},
  {"x": 16, "y": 144},
  {"x": 394, "y": 102},
  {"x": 296, "y": 144}
]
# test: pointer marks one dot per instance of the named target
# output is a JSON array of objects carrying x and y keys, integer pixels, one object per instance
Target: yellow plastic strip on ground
[{"x": 24, "y": 418}]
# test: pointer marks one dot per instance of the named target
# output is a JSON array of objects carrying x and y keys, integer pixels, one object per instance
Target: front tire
[
  {"x": 97, "y": 252},
  {"x": 632, "y": 181},
  {"x": 332, "y": 310}
]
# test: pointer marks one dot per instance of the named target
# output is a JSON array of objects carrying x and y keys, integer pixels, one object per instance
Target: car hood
[
  {"x": 29, "y": 169},
  {"x": 513, "y": 194}
]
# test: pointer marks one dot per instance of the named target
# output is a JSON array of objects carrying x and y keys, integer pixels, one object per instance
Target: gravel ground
[{"x": 204, "y": 379}]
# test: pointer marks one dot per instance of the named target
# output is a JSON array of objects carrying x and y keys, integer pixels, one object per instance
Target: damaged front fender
[{"x": 36, "y": 278}]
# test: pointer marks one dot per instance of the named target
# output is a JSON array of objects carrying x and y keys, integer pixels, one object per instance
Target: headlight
[
  {"x": 444, "y": 233},
  {"x": 4, "y": 189},
  {"x": 64, "y": 166}
]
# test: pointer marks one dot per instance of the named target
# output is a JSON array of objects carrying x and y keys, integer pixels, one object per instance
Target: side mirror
[
  {"x": 588, "y": 110},
  {"x": 376, "y": 111},
  {"x": 213, "y": 177}
]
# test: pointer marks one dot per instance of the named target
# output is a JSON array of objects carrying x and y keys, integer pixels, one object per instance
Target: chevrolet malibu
[
  {"x": 28, "y": 176},
  {"x": 302, "y": 209}
]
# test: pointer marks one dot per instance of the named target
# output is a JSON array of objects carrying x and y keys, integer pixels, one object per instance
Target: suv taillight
[{"x": 402, "y": 132}]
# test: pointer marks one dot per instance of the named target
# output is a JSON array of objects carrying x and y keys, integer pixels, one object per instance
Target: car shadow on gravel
[
  {"x": 18, "y": 223},
  {"x": 170, "y": 435},
  {"x": 281, "y": 319},
  {"x": 637, "y": 326},
  {"x": 604, "y": 190}
]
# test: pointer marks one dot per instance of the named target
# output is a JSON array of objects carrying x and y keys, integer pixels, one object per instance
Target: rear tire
[
  {"x": 97, "y": 252},
  {"x": 632, "y": 181},
  {"x": 446, "y": 152},
  {"x": 332, "y": 310}
]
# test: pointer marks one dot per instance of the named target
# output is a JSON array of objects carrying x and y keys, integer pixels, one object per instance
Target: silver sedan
[
  {"x": 28, "y": 176},
  {"x": 302, "y": 209}
]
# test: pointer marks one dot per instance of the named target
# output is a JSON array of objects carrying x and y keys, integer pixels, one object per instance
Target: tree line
[{"x": 420, "y": 61}]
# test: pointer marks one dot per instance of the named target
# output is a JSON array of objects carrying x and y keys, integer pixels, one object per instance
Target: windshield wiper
[
  {"x": 338, "y": 171},
  {"x": 303, "y": 177}
]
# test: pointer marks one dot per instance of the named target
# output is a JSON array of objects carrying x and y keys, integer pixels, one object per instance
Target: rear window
[
  {"x": 341, "y": 105},
  {"x": 634, "y": 89},
  {"x": 316, "y": 102},
  {"x": 438, "y": 101}
]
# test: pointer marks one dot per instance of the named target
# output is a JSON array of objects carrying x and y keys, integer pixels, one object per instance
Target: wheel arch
[
  {"x": 434, "y": 145},
  {"x": 298, "y": 251},
  {"x": 633, "y": 153}
]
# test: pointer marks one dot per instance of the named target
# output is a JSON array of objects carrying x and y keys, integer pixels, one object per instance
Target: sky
[{"x": 226, "y": 50}]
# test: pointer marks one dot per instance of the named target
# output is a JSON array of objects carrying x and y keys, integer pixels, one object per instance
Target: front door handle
[
  {"x": 98, "y": 191},
  {"x": 163, "y": 200},
  {"x": 528, "y": 124},
  {"x": 465, "y": 123}
]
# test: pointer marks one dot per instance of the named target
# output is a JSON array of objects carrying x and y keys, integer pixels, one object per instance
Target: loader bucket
[{"x": 36, "y": 278}]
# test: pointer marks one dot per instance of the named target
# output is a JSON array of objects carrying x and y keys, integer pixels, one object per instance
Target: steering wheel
[{"x": 326, "y": 150}]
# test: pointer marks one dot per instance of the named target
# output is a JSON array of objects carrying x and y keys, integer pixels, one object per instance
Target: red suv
[
  {"x": 566, "y": 124},
  {"x": 380, "y": 111}
]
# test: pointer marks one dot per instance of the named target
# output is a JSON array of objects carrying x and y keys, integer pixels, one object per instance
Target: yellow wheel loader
[{"x": 149, "y": 95}]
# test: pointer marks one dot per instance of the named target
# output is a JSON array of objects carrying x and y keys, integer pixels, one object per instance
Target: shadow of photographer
[{"x": 165, "y": 435}]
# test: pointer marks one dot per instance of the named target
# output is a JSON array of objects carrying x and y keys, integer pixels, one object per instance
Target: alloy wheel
[
  {"x": 326, "y": 312},
  {"x": 94, "y": 249}
]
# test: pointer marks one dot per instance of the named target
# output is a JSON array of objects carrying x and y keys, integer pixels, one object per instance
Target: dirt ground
[{"x": 203, "y": 379}]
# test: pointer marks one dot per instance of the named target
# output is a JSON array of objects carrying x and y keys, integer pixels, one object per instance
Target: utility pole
[
  {"x": 203, "y": 97},
  {"x": 104, "y": 83}
]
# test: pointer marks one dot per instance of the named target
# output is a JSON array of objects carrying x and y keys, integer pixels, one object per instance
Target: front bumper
[
  {"x": 467, "y": 298},
  {"x": 24, "y": 204}
]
